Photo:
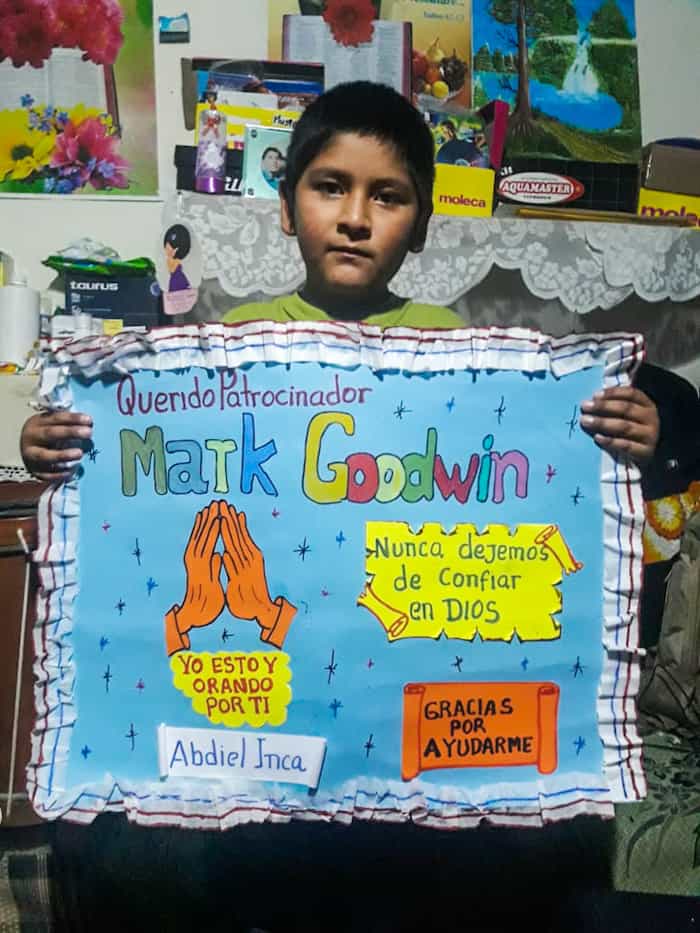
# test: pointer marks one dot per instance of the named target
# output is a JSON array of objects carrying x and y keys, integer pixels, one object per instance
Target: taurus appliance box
[{"x": 135, "y": 300}]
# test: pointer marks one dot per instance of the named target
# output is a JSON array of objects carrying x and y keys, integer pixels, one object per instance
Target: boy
[{"x": 358, "y": 196}]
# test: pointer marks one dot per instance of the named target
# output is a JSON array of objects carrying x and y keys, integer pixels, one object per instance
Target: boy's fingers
[
  {"x": 622, "y": 447},
  {"x": 62, "y": 417},
  {"x": 54, "y": 477},
  {"x": 51, "y": 434},
  {"x": 47, "y": 456},
  {"x": 619, "y": 399},
  {"x": 629, "y": 393},
  {"x": 622, "y": 428},
  {"x": 628, "y": 411}
]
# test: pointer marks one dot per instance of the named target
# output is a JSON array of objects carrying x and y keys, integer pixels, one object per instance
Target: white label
[
  {"x": 540, "y": 188},
  {"x": 260, "y": 756}
]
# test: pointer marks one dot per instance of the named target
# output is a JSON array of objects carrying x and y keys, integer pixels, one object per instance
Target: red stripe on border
[
  {"x": 332, "y": 816},
  {"x": 340, "y": 333},
  {"x": 42, "y": 663}
]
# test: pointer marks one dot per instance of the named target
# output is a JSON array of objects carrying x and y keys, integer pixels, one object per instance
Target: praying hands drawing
[{"x": 245, "y": 594}]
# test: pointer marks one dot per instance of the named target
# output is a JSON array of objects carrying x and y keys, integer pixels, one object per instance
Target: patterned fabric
[
  {"x": 658, "y": 840},
  {"x": 666, "y": 519},
  {"x": 26, "y": 903}
]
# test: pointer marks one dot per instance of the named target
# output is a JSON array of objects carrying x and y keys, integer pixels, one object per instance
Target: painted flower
[
  {"x": 350, "y": 21},
  {"x": 26, "y": 37},
  {"x": 31, "y": 29},
  {"x": 86, "y": 153},
  {"x": 78, "y": 114},
  {"x": 23, "y": 150}
]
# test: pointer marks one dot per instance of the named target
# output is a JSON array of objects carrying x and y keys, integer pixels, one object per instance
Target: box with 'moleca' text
[
  {"x": 662, "y": 204},
  {"x": 463, "y": 191}
]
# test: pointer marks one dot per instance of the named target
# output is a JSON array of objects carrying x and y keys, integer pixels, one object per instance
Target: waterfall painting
[{"x": 569, "y": 70}]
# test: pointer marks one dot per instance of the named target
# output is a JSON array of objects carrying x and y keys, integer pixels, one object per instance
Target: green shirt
[{"x": 294, "y": 308}]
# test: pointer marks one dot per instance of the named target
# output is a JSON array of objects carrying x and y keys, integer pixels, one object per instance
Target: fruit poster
[
  {"x": 77, "y": 97},
  {"x": 569, "y": 71},
  {"x": 329, "y": 572},
  {"x": 442, "y": 48}
]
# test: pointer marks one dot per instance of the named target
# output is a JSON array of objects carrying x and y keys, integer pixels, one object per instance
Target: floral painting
[{"x": 77, "y": 97}]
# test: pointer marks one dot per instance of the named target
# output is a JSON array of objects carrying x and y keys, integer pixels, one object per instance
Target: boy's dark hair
[
  {"x": 178, "y": 236},
  {"x": 367, "y": 109}
]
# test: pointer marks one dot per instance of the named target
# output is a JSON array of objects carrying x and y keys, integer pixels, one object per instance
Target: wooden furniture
[{"x": 18, "y": 506}]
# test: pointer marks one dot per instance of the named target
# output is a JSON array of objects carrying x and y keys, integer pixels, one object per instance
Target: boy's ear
[
  {"x": 286, "y": 213},
  {"x": 420, "y": 231}
]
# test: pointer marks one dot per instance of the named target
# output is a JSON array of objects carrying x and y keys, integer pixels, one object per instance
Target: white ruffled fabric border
[{"x": 219, "y": 805}]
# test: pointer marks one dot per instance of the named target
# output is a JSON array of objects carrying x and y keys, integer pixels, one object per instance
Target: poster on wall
[
  {"x": 570, "y": 73},
  {"x": 338, "y": 573},
  {"x": 77, "y": 98},
  {"x": 441, "y": 39}
]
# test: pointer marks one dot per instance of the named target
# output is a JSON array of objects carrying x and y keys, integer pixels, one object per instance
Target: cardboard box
[
  {"x": 463, "y": 192},
  {"x": 675, "y": 169},
  {"x": 661, "y": 204}
]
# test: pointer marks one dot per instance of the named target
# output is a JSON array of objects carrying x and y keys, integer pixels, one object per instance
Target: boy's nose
[{"x": 354, "y": 218}]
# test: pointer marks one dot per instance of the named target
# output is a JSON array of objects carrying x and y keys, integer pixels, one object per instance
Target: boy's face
[{"x": 356, "y": 217}]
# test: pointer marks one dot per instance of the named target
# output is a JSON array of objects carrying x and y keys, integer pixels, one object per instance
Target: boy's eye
[
  {"x": 388, "y": 196},
  {"x": 329, "y": 186}
]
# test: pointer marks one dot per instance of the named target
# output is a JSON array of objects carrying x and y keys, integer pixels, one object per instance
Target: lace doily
[
  {"x": 15, "y": 474},
  {"x": 585, "y": 265}
]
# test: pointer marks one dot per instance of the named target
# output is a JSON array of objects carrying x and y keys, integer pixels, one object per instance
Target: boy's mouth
[{"x": 350, "y": 251}]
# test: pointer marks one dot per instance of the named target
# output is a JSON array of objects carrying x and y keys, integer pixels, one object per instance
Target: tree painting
[
  {"x": 528, "y": 20},
  {"x": 569, "y": 71}
]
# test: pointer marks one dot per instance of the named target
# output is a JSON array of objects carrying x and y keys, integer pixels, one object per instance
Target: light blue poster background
[{"x": 347, "y": 679}]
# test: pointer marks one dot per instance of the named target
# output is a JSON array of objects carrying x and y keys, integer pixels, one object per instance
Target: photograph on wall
[
  {"x": 264, "y": 161},
  {"x": 77, "y": 98},
  {"x": 351, "y": 575},
  {"x": 570, "y": 73}
]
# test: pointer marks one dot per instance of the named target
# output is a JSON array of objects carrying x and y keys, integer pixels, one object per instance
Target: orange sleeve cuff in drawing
[
  {"x": 276, "y": 634},
  {"x": 175, "y": 640}
]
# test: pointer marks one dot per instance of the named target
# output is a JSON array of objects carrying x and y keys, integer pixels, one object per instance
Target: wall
[{"x": 31, "y": 229}]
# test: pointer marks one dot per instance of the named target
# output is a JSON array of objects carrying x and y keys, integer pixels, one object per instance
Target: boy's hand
[
  {"x": 624, "y": 421},
  {"x": 51, "y": 443}
]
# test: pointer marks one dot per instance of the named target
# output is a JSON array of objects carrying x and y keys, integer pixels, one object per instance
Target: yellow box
[
  {"x": 463, "y": 192},
  {"x": 662, "y": 204}
]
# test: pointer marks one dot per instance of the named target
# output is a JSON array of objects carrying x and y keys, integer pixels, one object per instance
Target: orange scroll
[{"x": 479, "y": 725}]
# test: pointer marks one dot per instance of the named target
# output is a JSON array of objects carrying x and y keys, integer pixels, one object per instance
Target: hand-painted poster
[
  {"x": 569, "y": 68},
  {"x": 338, "y": 573},
  {"x": 77, "y": 97}
]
